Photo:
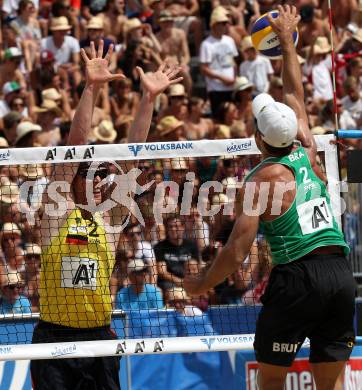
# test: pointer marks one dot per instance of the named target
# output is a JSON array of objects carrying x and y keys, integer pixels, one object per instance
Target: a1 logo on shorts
[
  {"x": 79, "y": 273},
  {"x": 314, "y": 215}
]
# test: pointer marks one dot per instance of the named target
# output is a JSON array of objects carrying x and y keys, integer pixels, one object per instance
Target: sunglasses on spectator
[
  {"x": 101, "y": 173},
  {"x": 144, "y": 167},
  {"x": 12, "y": 286}
]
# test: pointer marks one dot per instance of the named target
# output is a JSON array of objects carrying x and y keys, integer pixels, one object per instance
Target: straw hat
[
  {"x": 31, "y": 171},
  {"x": 132, "y": 24},
  {"x": 105, "y": 131},
  {"x": 177, "y": 90},
  {"x": 3, "y": 143},
  {"x": 59, "y": 24},
  {"x": 50, "y": 94},
  {"x": 13, "y": 278},
  {"x": 219, "y": 15},
  {"x": 318, "y": 130},
  {"x": 247, "y": 43},
  {"x": 321, "y": 46},
  {"x": 178, "y": 164},
  {"x": 32, "y": 249},
  {"x": 229, "y": 182},
  {"x": 358, "y": 35},
  {"x": 177, "y": 293},
  {"x": 219, "y": 199},
  {"x": 222, "y": 132},
  {"x": 168, "y": 124},
  {"x": 242, "y": 83},
  {"x": 48, "y": 105},
  {"x": 136, "y": 265},
  {"x": 165, "y": 16},
  {"x": 95, "y": 23},
  {"x": 9, "y": 193},
  {"x": 10, "y": 228},
  {"x": 25, "y": 128}
]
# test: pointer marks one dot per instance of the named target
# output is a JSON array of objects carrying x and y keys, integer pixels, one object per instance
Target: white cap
[
  {"x": 277, "y": 122},
  {"x": 136, "y": 265},
  {"x": 24, "y": 128}
]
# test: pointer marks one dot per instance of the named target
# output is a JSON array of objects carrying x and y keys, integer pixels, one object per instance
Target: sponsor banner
[
  {"x": 300, "y": 375},
  {"x": 126, "y": 347},
  {"x": 119, "y": 152}
]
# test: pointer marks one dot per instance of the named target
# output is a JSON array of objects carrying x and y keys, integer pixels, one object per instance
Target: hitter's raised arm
[{"x": 293, "y": 93}]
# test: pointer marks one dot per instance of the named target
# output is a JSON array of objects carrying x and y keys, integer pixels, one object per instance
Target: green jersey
[{"x": 309, "y": 222}]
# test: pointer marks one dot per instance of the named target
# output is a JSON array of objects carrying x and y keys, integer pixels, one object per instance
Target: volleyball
[{"x": 264, "y": 38}]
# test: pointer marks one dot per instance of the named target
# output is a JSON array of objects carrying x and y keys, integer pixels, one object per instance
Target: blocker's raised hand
[
  {"x": 97, "y": 71},
  {"x": 156, "y": 82},
  {"x": 286, "y": 22}
]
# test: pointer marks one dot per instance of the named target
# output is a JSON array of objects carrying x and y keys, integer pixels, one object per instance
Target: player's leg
[
  {"x": 271, "y": 377},
  {"x": 328, "y": 376},
  {"x": 332, "y": 340},
  {"x": 282, "y": 325}
]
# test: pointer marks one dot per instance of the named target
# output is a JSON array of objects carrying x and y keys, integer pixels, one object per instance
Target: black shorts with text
[
  {"x": 313, "y": 297},
  {"x": 100, "y": 373}
]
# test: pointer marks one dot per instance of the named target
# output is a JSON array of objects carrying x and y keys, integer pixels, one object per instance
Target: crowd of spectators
[{"x": 41, "y": 81}]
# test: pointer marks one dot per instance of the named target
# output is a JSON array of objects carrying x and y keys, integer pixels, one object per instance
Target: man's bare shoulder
[{"x": 272, "y": 172}]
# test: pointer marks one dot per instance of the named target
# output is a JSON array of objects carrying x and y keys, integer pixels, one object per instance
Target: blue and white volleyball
[{"x": 265, "y": 40}]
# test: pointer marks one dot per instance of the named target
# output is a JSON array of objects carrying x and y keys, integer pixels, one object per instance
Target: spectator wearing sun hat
[
  {"x": 61, "y": 99},
  {"x": 177, "y": 102},
  {"x": 9, "y": 69},
  {"x": 11, "y": 90},
  {"x": 171, "y": 129},
  {"x": 11, "y": 301},
  {"x": 11, "y": 239},
  {"x": 64, "y": 47},
  {"x": 48, "y": 116},
  {"x": 243, "y": 97},
  {"x": 105, "y": 133},
  {"x": 217, "y": 54},
  {"x": 9, "y": 193},
  {"x": 256, "y": 68},
  {"x": 95, "y": 32},
  {"x": 174, "y": 46},
  {"x": 139, "y": 295},
  {"x": 46, "y": 64},
  {"x": 318, "y": 68},
  {"x": 26, "y": 133}
]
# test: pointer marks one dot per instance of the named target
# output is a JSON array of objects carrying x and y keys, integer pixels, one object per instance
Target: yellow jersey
[{"x": 75, "y": 273}]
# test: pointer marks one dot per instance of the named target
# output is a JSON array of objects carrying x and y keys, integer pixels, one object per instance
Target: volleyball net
[{"x": 94, "y": 231}]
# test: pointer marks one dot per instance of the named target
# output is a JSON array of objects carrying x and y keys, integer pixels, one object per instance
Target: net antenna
[{"x": 154, "y": 341}]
